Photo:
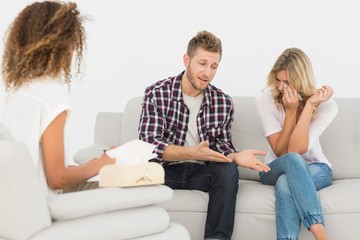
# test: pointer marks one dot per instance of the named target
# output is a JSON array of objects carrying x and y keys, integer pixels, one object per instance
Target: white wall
[{"x": 133, "y": 43}]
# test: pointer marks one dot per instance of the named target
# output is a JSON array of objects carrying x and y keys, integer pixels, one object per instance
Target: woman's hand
[
  {"x": 106, "y": 160},
  {"x": 290, "y": 98},
  {"x": 323, "y": 94}
]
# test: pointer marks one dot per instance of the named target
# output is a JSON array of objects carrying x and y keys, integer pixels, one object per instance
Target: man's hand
[
  {"x": 246, "y": 158},
  {"x": 204, "y": 153}
]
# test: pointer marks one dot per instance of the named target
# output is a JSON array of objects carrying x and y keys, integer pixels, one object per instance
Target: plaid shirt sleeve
[
  {"x": 223, "y": 142},
  {"x": 152, "y": 125}
]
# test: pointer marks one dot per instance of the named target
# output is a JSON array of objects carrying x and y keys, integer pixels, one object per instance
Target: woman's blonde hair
[
  {"x": 41, "y": 42},
  {"x": 300, "y": 75}
]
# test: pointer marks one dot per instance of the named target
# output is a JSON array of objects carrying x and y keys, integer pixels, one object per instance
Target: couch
[
  {"x": 254, "y": 218},
  {"x": 99, "y": 214}
]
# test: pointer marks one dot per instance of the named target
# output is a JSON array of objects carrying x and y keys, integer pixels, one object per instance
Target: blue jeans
[
  {"x": 220, "y": 180},
  {"x": 296, "y": 183}
]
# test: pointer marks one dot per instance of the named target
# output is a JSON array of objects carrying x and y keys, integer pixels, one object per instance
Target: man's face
[{"x": 200, "y": 70}]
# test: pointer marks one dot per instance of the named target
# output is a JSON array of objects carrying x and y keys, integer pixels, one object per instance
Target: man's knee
[{"x": 226, "y": 171}]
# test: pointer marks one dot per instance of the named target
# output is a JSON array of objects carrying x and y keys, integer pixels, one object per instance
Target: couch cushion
[
  {"x": 342, "y": 197},
  {"x": 252, "y": 197},
  {"x": 187, "y": 201},
  {"x": 175, "y": 231},
  {"x": 125, "y": 224},
  {"x": 22, "y": 203},
  {"x": 84, "y": 203}
]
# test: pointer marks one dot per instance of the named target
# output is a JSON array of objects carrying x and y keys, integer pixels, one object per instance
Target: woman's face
[{"x": 282, "y": 80}]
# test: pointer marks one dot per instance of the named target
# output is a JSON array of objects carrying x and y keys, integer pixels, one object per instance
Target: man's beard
[{"x": 190, "y": 76}]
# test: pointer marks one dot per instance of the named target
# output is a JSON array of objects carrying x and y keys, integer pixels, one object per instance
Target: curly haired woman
[{"x": 36, "y": 68}]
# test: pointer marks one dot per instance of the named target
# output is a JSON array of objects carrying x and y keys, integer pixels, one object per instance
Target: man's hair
[
  {"x": 41, "y": 42},
  {"x": 300, "y": 74},
  {"x": 206, "y": 41}
]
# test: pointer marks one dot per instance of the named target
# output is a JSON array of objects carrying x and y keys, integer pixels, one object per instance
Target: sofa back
[{"x": 340, "y": 141}]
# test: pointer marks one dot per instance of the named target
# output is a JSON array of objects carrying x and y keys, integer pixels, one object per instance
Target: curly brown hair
[{"x": 41, "y": 42}]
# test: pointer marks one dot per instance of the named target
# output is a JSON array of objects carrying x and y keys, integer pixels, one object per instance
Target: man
[{"x": 189, "y": 121}]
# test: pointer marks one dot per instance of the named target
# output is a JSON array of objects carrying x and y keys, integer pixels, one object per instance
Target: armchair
[{"x": 104, "y": 213}]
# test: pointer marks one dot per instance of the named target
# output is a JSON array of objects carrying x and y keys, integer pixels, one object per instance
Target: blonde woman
[
  {"x": 294, "y": 114},
  {"x": 36, "y": 70}
]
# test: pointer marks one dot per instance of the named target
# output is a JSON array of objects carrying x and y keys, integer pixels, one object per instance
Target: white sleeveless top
[{"x": 29, "y": 110}]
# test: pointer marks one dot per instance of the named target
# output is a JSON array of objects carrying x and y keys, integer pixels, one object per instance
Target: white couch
[
  {"x": 255, "y": 217},
  {"x": 99, "y": 214}
]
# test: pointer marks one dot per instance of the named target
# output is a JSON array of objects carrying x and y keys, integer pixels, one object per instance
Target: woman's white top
[
  {"x": 29, "y": 110},
  {"x": 273, "y": 118}
]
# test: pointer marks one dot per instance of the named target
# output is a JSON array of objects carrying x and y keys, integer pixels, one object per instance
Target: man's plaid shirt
[{"x": 164, "y": 117}]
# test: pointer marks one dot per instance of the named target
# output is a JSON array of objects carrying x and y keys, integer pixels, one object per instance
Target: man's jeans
[
  {"x": 221, "y": 181},
  {"x": 296, "y": 183}
]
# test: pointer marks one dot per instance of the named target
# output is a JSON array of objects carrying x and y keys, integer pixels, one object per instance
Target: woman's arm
[
  {"x": 299, "y": 140},
  {"x": 279, "y": 141},
  {"x": 57, "y": 175},
  {"x": 294, "y": 136}
]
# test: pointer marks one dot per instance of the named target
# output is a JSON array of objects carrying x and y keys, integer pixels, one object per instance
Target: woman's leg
[
  {"x": 298, "y": 189},
  {"x": 288, "y": 222},
  {"x": 322, "y": 177}
]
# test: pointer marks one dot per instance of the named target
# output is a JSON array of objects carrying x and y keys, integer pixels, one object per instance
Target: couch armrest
[
  {"x": 86, "y": 154},
  {"x": 22, "y": 196},
  {"x": 85, "y": 203},
  {"x": 106, "y": 134}
]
